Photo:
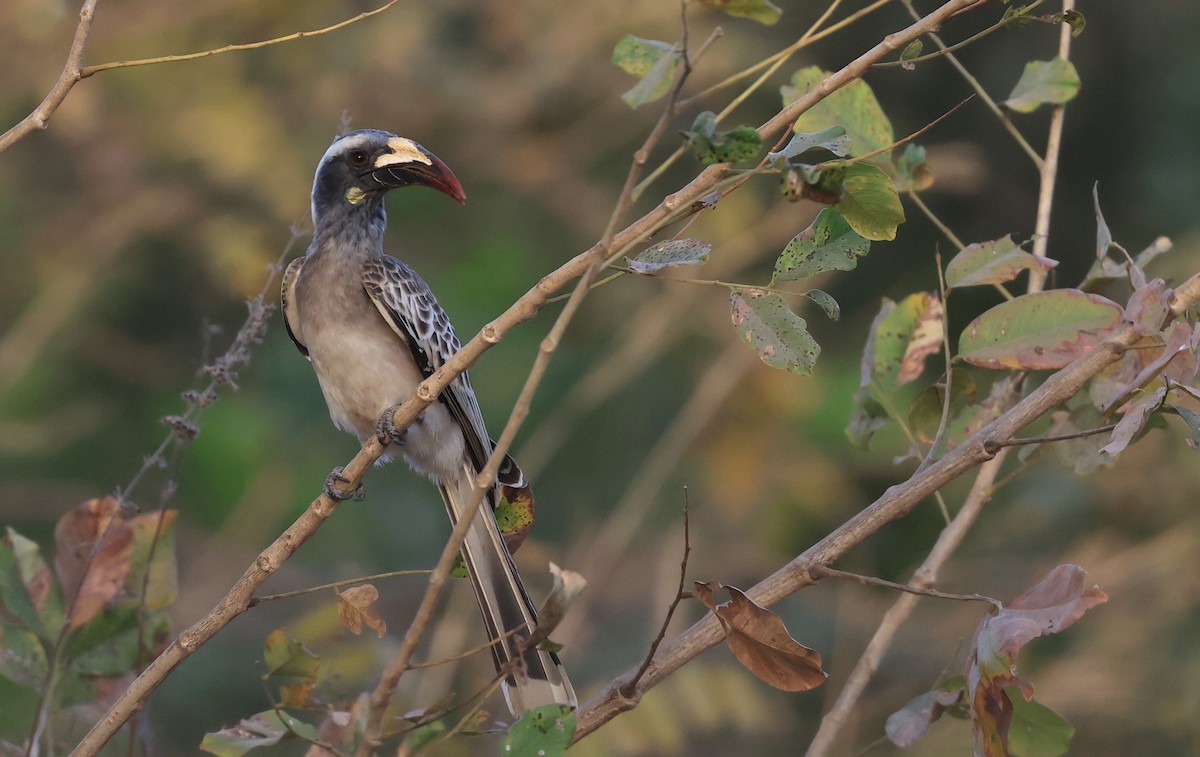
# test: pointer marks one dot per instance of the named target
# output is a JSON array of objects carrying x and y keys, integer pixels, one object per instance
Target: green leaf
[
  {"x": 925, "y": 412},
  {"x": 825, "y": 301},
  {"x": 672, "y": 252},
  {"x": 285, "y": 656},
  {"x": 853, "y": 106},
  {"x": 1044, "y": 330},
  {"x": 656, "y": 62},
  {"x": 868, "y": 417},
  {"x": 22, "y": 657},
  {"x": 712, "y": 146},
  {"x": 870, "y": 203},
  {"x": 992, "y": 262},
  {"x": 833, "y": 139},
  {"x": 107, "y": 643},
  {"x": 912, "y": 172},
  {"x": 27, "y": 586},
  {"x": 1053, "y": 81},
  {"x": 1036, "y": 730},
  {"x": 264, "y": 729},
  {"x": 911, "y": 50},
  {"x": 890, "y": 360},
  {"x": 779, "y": 336},
  {"x": 544, "y": 731},
  {"x": 635, "y": 55},
  {"x": 828, "y": 244},
  {"x": 153, "y": 559},
  {"x": 762, "y": 11}
]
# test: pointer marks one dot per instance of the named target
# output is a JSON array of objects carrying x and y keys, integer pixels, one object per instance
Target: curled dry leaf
[
  {"x": 95, "y": 548},
  {"x": 566, "y": 587},
  {"x": 761, "y": 642},
  {"x": 355, "y": 609},
  {"x": 1051, "y": 605}
]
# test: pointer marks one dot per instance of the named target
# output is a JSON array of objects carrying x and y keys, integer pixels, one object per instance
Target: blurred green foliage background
[{"x": 133, "y": 229}]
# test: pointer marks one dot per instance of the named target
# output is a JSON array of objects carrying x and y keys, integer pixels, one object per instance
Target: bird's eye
[{"x": 359, "y": 158}]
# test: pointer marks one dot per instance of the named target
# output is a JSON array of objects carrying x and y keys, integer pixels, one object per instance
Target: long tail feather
[{"x": 539, "y": 678}]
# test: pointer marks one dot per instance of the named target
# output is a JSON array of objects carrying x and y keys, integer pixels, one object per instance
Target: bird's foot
[
  {"x": 386, "y": 431},
  {"x": 335, "y": 489}
]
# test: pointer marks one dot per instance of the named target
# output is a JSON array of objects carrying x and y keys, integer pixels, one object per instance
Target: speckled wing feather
[
  {"x": 405, "y": 300},
  {"x": 287, "y": 296}
]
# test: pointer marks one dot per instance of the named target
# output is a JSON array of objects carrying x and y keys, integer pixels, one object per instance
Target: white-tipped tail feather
[{"x": 538, "y": 678}]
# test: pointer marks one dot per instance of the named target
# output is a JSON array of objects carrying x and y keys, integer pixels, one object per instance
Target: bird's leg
[
  {"x": 333, "y": 488},
  {"x": 386, "y": 431}
]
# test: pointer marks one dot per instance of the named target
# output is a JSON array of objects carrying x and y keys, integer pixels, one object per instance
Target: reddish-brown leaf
[
  {"x": 1049, "y": 606},
  {"x": 354, "y": 607},
  {"x": 761, "y": 642},
  {"x": 94, "y": 544},
  {"x": 298, "y": 694}
]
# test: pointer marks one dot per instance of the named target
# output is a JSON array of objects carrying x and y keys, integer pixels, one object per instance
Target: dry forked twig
[{"x": 629, "y": 689}]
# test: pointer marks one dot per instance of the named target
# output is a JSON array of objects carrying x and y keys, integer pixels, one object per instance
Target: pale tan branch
[{"x": 70, "y": 76}]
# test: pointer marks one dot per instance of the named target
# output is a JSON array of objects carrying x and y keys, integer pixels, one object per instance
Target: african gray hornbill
[{"x": 373, "y": 331}]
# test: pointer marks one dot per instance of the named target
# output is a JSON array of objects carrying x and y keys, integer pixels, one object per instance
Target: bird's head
[{"x": 361, "y": 166}]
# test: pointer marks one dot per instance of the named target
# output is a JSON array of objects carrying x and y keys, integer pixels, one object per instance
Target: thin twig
[
  {"x": 823, "y": 571},
  {"x": 979, "y": 90},
  {"x": 997, "y": 445},
  {"x": 948, "y": 49},
  {"x": 629, "y": 690},
  {"x": 256, "y": 601},
  {"x": 91, "y": 70}
]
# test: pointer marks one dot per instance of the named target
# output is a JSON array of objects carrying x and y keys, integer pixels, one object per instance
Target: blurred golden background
[{"x": 133, "y": 229}]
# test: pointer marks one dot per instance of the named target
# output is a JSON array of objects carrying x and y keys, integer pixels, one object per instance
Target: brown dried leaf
[
  {"x": 354, "y": 608},
  {"x": 88, "y": 582},
  {"x": 926, "y": 340},
  {"x": 761, "y": 642}
]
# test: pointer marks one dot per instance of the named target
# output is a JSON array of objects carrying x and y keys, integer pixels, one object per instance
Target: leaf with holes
[
  {"x": 870, "y": 202},
  {"x": 1053, "y": 81},
  {"x": 993, "y": 262},
  {"x": 853, "y": 106},
  {"x": 779, "y": 336},
  {"x": 545, "y": 731},
  {"x": 672, "y": 252},
  {"x": 828, "y": 244},
  {"x": 1044, "y": 330}
]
